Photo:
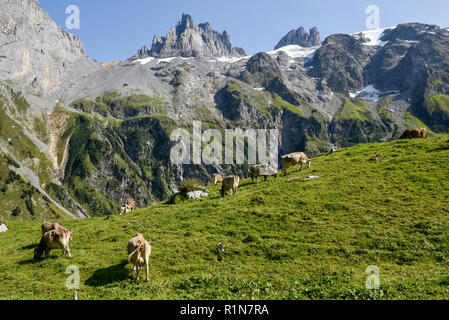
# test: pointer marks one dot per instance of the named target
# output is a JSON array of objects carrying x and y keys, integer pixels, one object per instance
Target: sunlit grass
[{"x": 384, "y": 204}]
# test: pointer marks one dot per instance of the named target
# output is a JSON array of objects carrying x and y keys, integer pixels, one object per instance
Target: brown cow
[
  {"x": 262, "y": 170},
  {"x": 48, "y": 226},
  {"x": 54, "y": 239},
  {"x": 139, "y": 251},
  {"x": 217, "y": 178},
  {"x": 294, "y": 159},
  {"x": 230, "y": 183},
  {"x": 414, "y": 133},
  {"x": 130, "y": 206}
]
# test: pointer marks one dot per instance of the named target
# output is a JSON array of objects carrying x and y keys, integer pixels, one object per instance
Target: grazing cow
[
  {"x": 54, "y": 239},
  {"x": 48, "y": 226},
  {"x": 217, "y": 178},
  {"x": 414, "y": 133},
  {"x": 230, "y": 183},
  {"x": 139, "y": 251},
  {"x": 130, "y": 206},
  {"x": 293, "y": 159},
  {"x": 262, "y": 170}
]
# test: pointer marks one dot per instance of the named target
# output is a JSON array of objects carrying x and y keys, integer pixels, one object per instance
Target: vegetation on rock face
[
  {"x": 382, "y": 204},
  {"x": 434, "y": 110},
  {"x": 354, "y": 123},
  {"x": 19, "y": 200},
  {"x": 113, "y": 104}
]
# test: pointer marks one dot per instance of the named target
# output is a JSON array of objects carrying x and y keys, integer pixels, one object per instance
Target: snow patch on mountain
[
  {"x": 150, "y": 59},
  {"x": 296, "y": 52},
  {"x": 373, "y": 36},
  {"x": 371, "y": 93},
  {"x": 230, "y": 59}
]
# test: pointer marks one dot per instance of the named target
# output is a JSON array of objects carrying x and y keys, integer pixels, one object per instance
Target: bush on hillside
[{"x": 190, "y": 185}]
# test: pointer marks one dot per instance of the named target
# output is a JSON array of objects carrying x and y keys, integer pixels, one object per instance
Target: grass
[
  {"x": 283, "y": 239},
  {"x": 354, "y": 109}
]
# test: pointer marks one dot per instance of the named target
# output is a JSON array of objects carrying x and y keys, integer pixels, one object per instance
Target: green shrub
[
  {"x": 29, "y": 205},
  {"x": 189, "y": 185},
  {"x": 16, "y": 211}
]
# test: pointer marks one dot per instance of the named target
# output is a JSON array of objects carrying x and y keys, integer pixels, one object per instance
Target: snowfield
[
  {"x": 149, "y": 59},
  {"x": 373, "y": 36},
  {"x": 371, "y": 93},
  {"x": 296, "y": 52}
]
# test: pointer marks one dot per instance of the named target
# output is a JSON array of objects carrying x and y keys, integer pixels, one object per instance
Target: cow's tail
[{"x": 138, "y": 248}]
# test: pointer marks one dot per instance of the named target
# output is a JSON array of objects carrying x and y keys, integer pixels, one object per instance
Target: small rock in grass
[
  {"x": 197, "y": 194},
  {"x": 311, "y": 177},
  {"x": 3, "y": 228}
]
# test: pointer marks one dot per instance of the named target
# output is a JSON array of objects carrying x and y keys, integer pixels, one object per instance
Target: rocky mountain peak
[
  {"x": 301, "y": 37},
  {"x": 188, "y": 39},
  {"x": 35, "y": 53}
]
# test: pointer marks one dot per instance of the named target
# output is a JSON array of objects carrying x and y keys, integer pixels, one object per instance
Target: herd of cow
[
  {"x": 56, "y": 236},
  {"x": 231, "y": 183}
]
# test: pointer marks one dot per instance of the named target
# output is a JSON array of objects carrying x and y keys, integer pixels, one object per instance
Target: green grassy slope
[{"x": 283, "y": 239}]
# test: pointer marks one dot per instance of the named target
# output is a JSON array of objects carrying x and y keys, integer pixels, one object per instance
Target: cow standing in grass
[
  {"x": 139, "y": 251},
  {"x": 230, "y": 183},
  {"x": 294, "y": 159},
  {"x": 217, "y": 178},
  {"x": 262, "y": 170},
  {"x": 130, "y": 206},
  {"x": 54, "y": 239},
  {"x": 48, "y": 226},
  {"x": 414, "y": 133}
]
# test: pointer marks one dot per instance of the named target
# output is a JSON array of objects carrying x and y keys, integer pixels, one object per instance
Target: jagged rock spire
[
  {"x": 188, "y": 39},
  {"x": 301, "y": 37}
]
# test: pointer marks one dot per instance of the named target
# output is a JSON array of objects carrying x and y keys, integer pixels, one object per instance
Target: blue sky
[{"x": 115, "y": 29}]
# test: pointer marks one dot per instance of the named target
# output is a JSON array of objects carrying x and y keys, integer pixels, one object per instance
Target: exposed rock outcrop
[
  {"x": 188, "y": 39},
  {"x": 301, "y": 38},
  {"x": 35, "y": 53}
]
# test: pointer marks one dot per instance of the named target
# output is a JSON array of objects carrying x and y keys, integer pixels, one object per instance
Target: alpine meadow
[{"x": 194, "y": 170}]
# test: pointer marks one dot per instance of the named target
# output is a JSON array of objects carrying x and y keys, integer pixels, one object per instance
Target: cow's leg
[
  {"x": 67, "y": 249},
  {"x": 138, "y": 276},
  {"x": 147, "y": 270},
  {"x": 265, "y": 178}
]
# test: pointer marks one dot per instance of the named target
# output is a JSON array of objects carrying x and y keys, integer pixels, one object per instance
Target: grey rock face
[
  {"x": 190, "y": 40},
  {"x": 301, "y": 37},
  {"x": 340, "y": 63},
  {"x": 34, "y": 52},
  {"x": 416, "y": 56}
]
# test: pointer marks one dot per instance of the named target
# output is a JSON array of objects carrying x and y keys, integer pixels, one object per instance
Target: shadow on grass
[
  {"x": 30, "y": 246},
  {"x": 32, "y": 261},
  {"x": 108, "y": 275}
]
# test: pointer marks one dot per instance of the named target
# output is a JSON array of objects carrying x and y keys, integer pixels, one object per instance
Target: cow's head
[{"x": 38, "y": 254}]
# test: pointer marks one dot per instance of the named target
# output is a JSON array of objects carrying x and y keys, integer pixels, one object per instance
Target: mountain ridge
[
  {"x": 188, "y": 39},
  {"x": 100, "y": 133},
  {"x": 301, "y": 37}
]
